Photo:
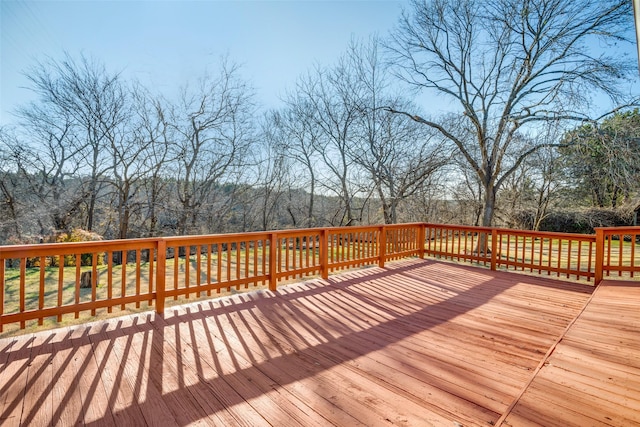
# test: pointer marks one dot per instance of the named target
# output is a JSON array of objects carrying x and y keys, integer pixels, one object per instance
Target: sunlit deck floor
[{"x": 419, "y": 343}]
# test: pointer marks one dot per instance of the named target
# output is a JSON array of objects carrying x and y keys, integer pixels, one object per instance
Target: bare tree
[
  {"x": 47, "y": 156},
  {"x": 273, "y": 170},
  {"x": 535, "y": 187},
  {"x": 296, "y": 133},
  {"x": 508, "y": 65},
  {"x": 10, "y": 179},
  {"x": 212, "y": 131},
  {"x": 93, "y": 104},
  {"x": 154, "y": 131},
  {"x": 398, "y": 155},
  {"x": 128, "y": 146},
  {"x": 330, "y": 94}
]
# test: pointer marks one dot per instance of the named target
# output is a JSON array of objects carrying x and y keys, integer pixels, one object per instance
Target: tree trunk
[
  {"x": 152, "y": 207},
  {"x": 487, "y": 219},
  {"x": 310, "y": 219},
  {"x": 489, "y": 205},
  {"x": 85, "y": 280},
  {"x": 91, "y": 210}
]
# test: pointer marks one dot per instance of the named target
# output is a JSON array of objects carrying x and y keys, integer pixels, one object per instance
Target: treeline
[
  {"x": 348, "y": 146},
  {"x": 105, "y": 155}
]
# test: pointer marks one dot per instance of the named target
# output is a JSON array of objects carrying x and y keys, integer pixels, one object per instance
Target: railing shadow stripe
[{"x": 238, "y": 352}]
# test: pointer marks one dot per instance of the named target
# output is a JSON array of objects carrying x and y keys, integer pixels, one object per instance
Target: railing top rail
[
  {"x": 619, "y": 230},
  {"x": 215, "y": 238},
  {"x": 573, "y": 236},
  {"x": 65, "y": 248},
  {"x": 458, "y": 227},
  {"x": 403, "y": 225},
  {"x": 552, "y": 234},
  {"x": 72, "y": 247}
]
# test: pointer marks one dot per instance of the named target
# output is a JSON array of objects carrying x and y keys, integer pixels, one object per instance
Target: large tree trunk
[
  {"x": 487, "y": 219},
  {"x": 489, "y": 205}
]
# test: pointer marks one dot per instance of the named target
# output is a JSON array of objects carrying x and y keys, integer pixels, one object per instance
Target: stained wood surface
[
  {"x": 417, "y": 343},
  {"x": 592, "y": 378}
]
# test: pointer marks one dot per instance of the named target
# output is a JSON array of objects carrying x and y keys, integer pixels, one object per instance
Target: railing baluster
[
  {"x": 109, "y": 279},
  {"x": 23, "y": 275},
  {"x": 632, "y": 260},
  {"x": 568, "y": 257},
  {"x": 161, "y": 255},
  {"x": 382, "y": 246},
  {"x": 579, "y": 260},
  {"x": 608, "y": 263},
  {"x": 218, "y": 264},
  {"x": 150, "y": 260},
  {"x": 94, "y": 280},
  {"x": 123, "y": 286},
  {"x": 559, "y": 256},
  {"x": 621, "y": 246},
  {"x": 589, "y": 262},
  {"x": 273, "y": 258},
  {"x": 41, "y": 290},
  {"x": 187, "y": 267},
  {"x": 540, "y": 245},
  {"x": 60, "y": 283},
  {"x": 247, "y": 249},
  {"x": 238, "y": 263},
  {"x": 2, "y": 290},
  {"x": 228, "y": 259},
  {"x": 198, "y": 268},
  {"x": 77, "y": 296}
]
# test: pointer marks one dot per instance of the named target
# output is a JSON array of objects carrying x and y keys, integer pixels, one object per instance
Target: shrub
[
  {"x": 79, "y": 235},
  {"x": 577, "y": 220}
]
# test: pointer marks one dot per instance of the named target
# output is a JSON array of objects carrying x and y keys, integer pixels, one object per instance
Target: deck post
[
  {"x": 599, "y": 267},
  {"x": 273, "y": 260},
  {"x": 494, "y": 249},
  {"x": 382, "y": 246},
  {"x": 421, "y": 238},
  {"x": 161, "y": 256},
  {"x": 324, "y": 254}
]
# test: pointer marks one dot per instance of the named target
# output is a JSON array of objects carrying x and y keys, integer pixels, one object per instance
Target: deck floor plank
[
  {"x": 275, "y": 404},
  {"x": 266, "y": 355},
  {"x": 339, "y": 357},
  {"x": 38, "y": 408},
  {"x": 14, "y": 381},
  {"x": 335, "y": 373},
  {"x": 593, "y": 376},
  {"x": 135, "y": 350},
  {"x": 410, "y": 350},
  {"x": 418, "y": 343},
  {"x": 65, "y": 383},
  {"x": 121, "y": 400},
  {"x": 87, "y": 388},
  {"x": 215, "y": 400}
]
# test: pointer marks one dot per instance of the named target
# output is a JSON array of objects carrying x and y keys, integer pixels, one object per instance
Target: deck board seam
[{"x": 544, "y": 360}]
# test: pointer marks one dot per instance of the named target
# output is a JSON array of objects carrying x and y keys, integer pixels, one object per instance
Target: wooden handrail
[{"x": 154, "y": 269}]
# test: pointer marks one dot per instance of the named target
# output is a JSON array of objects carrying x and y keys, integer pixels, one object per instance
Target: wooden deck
[{"x": 418, "y": 343}]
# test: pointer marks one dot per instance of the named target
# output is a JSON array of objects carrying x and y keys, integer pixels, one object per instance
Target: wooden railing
[
  {"x": 39, "y": 282},
  {"x": 559, "y": 254},
  {"x": 619, "y": 252}
]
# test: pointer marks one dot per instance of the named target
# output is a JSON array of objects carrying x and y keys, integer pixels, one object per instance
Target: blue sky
[{"x": 164, "y": 44}]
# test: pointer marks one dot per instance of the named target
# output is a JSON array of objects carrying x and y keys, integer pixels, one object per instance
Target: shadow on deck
[{"x": 418, "y": 343}]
